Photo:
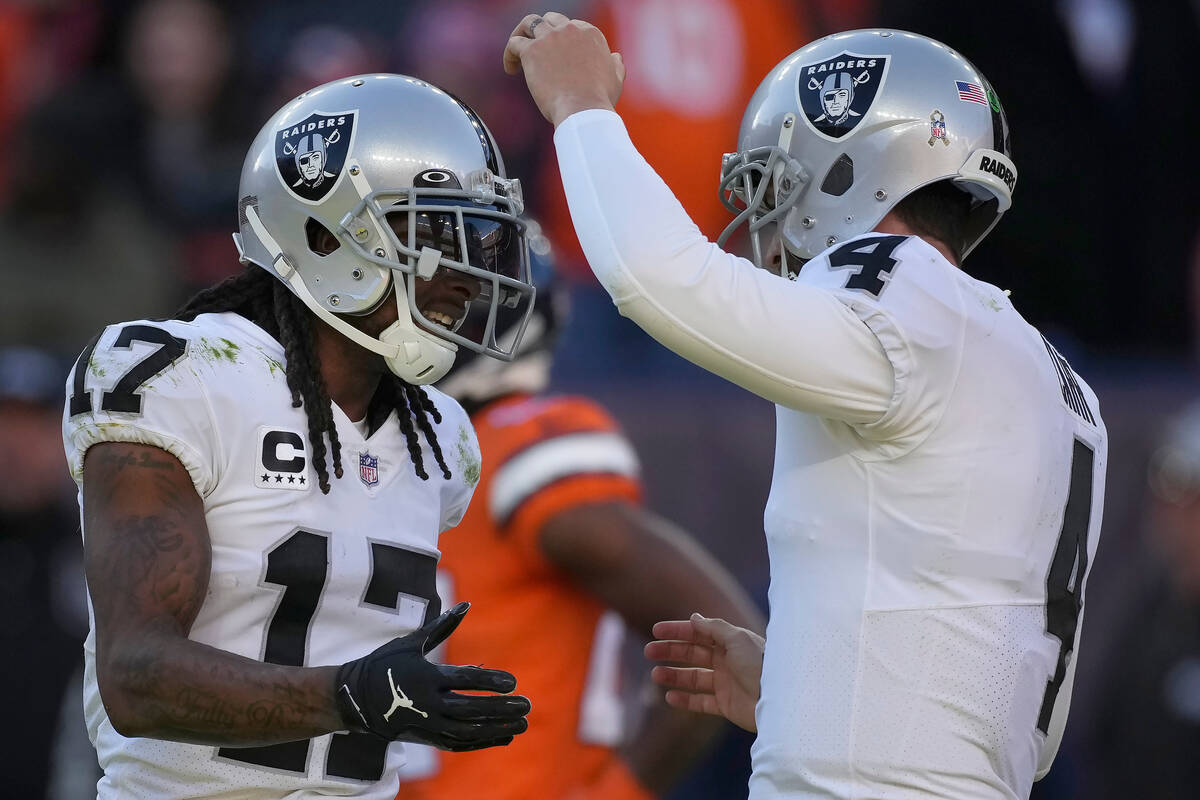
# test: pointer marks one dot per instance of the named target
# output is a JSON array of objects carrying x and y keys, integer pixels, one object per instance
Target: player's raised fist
[{"x": 567, "y": 64}]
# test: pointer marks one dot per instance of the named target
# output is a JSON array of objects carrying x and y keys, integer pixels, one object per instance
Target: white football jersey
[
  {"x": 936, "y": 499},
  {"x": 298, "y": 577},
  {"x": 931, "y": 563}
]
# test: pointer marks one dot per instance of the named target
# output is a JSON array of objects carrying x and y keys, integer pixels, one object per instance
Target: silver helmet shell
[
  {"x": 349, "y": 154},
  {"x": 843, "y": 129}
]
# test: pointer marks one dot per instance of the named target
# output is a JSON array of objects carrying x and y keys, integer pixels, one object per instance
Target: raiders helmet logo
[
  {"x": 310, "y": 155},
  {"x": 836, "y": 93}
]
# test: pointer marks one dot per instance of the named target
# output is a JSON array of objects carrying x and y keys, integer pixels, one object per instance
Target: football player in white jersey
[
  {"x": 260, "y": 626},
  {"x": 939, "y": 468}
]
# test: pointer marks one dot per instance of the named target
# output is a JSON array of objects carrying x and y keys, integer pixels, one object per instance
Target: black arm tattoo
[{"x": 148, "y": 559}]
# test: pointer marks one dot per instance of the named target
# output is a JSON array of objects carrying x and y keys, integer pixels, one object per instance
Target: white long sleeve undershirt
[{"x": 796, "y": 345}]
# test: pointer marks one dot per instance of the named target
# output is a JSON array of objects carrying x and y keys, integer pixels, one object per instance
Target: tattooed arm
[{"x": 147, "y": 557}]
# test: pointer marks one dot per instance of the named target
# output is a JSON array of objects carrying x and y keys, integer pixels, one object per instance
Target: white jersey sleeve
[
  {"x": 136, "y": 383},
  {"x": 462, "y": 455},
  {"x": 793, "y": 344}
]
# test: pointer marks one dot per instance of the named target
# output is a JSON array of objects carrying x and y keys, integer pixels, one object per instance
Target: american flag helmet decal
[{"x": 971, "y": 92}]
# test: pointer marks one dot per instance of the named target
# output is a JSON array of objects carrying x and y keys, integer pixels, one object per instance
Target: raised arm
[{"x": 793, "y": 344}]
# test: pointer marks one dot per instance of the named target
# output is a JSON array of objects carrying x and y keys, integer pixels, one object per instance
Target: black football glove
[{"x": 397, "y": 694}]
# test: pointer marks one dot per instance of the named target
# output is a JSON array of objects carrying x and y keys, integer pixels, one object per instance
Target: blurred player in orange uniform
[{"x": 557, "y": 557}]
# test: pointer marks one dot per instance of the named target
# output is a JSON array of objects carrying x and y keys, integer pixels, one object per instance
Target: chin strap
[
  {"x": 288, "y": 273},
  {"x": 421, "y": 358},
  {"x": 414, "y": 357},
  {"x": 786, "y": 129}
]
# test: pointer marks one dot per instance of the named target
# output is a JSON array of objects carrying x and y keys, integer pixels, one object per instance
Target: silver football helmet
[
  {"x": 409, "y": 181},
  {"x": 843, "y": 129}
]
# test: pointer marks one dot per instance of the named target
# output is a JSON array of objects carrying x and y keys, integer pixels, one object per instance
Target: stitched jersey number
[
  {"x": 1064, "y": 582},
  {"x": 124, "y": 396},
  {"x": 300, "y": 564},
  {"x": 872, "y": 257}
]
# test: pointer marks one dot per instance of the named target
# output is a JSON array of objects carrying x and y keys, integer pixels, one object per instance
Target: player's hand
[
  {"x": 397, "y": 694},
  {"x": 723, "y": 671},
  {"x": 567, "y": 64}
]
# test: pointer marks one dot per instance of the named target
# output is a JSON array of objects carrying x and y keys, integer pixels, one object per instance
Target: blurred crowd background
[{"x": 124, "y": 125}]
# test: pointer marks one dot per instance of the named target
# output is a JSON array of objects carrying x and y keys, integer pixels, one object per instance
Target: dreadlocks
[{"x": 266, "y": 302}]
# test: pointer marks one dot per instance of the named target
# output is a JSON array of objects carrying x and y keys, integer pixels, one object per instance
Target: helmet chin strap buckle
[
  {"x": 241, "y": 249},
  {"x": 417, "y": 361},
  {"x": 427, "y": 264},
  {"x": 279, "y": 261},
  {"x": 418, "y": 357}
]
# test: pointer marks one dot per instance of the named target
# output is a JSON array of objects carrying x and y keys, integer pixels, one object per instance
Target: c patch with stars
[{"x": 282, "y": 461}]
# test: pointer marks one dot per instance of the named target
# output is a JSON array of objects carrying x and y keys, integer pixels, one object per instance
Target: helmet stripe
[{"x": 485, "y": 136}]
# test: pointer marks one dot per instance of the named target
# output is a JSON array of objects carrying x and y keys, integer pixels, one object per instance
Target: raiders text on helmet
[
  {"x": 845, "y": 128},
  {"x": 409, "y": 181}
]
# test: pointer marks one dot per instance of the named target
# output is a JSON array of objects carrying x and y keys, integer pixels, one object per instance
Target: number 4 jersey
[
  {"x": 936, "y": 499},
  {"x": 298, "y": 577},
  {"x": 933, "y": 561}
]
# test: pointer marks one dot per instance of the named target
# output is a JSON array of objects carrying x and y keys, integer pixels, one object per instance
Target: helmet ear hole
[
  {"x": 840, "y": 176},
  {"x": 320, "y": 239}
]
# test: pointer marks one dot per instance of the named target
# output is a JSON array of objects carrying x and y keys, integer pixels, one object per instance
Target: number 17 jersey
[{"x": 298, "y": 577}]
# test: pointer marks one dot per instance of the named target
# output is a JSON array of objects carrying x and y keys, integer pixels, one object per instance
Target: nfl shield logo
[
  {"x": 937, "y": 128},
  {"x": 836, "y": 93},
  {"x": 309, "y": 155},
  {"x": 368, "y": 469}
]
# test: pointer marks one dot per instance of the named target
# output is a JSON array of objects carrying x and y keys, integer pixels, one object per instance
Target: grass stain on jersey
[
  {"x": 468, "y": 459},
  {"x": 221, "y": 350},
  {"x": 987, "y": 300},
  {"x": 275, "y": 367}
]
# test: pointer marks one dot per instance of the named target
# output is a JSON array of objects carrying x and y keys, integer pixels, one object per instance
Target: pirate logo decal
[
  {"x": 310, "y": 155},
  {"x": 836, "y": 93}
]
